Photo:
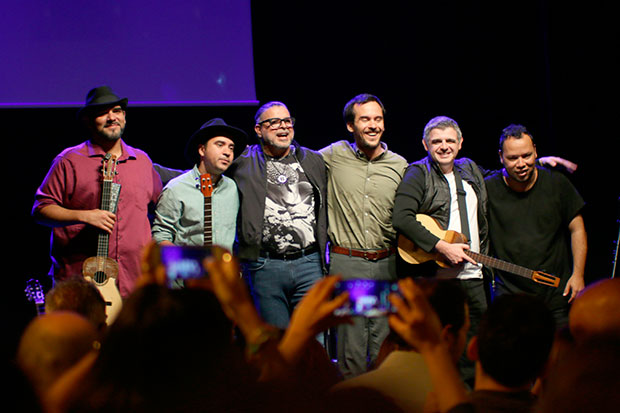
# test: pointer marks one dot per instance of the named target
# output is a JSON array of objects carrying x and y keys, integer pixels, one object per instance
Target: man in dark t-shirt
[{"x": 535, "y": 221}]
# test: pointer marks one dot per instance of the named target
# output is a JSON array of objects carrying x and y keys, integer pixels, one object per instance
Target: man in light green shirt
[
  {"x": 362, "y": 179},
  {"x": 180, "y": 216}
]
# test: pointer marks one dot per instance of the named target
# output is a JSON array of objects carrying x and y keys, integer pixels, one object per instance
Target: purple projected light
[{"x": 154, "y": 52}]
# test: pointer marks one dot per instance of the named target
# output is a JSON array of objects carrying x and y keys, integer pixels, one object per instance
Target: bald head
[
  {"x": 52, "y": 343},
  {"x": 595, "y": 313}
]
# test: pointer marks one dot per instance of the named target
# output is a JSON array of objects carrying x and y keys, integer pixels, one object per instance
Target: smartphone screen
[
  {"x": 183, "y": 263},
  {"x": 367, "y": 298}
]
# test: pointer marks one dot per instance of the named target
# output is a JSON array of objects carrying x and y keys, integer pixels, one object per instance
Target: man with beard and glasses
[
  {"x": 535, "y": 221},
  {"x": 282, "y": 217},
  {"x": 362, "y": 179},
  {"x": 69, "y": 199}
]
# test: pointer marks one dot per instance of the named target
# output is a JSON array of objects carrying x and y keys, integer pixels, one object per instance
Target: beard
[
  {"x": 365, "y": 141},
  {"x": 111, "y": 135}
]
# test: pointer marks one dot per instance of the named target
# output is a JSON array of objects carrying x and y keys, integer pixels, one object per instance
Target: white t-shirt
[{"x": 468, "y": 271}]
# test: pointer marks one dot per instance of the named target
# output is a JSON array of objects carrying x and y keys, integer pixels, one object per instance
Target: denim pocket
[
  {"x": 314, "y": 257},
  {"x": 257, "y": 265}
]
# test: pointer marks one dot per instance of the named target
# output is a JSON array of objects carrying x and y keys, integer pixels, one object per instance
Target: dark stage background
[{"x": 545, "y": 64}]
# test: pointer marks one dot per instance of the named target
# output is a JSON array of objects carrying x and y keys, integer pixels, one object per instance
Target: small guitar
[
  {"x": 34, "y": 293},
  {"x": 102, "y": 270},
  {"x": 412, "y": 254},
  {"x": 206, "y": 187}
]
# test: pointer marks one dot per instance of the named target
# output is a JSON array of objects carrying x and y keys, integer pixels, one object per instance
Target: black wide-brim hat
[
  {"x": 100, "y": 98},
  {"x": 212, "y": 128}
]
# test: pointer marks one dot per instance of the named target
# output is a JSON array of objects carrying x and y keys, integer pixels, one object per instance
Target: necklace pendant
[{"x": 282, "y": 179}]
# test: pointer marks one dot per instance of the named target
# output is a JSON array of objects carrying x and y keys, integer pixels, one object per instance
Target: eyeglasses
[{"x": 275, "y": 123}]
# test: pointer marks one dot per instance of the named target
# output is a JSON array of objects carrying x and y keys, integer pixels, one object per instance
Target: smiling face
[
  {"x": 367, "y": 126},
  {"x": 518, "y": 155},
  {"x": 276, "y": 141},
  {"x": 443, "y": 145},
  {"x": 109, "y": 124},
  {"x": 216, "y": 155}
]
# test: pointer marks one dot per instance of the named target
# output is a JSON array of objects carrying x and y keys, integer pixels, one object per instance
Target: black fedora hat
[
  {"x": 99, "y": 98},
  {"x": 211, "y": 128}
]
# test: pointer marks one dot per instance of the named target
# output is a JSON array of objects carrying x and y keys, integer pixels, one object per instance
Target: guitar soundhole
[{"x": 99, "y": 277}]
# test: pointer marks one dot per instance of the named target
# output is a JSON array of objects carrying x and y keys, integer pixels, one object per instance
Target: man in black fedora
[
  {"x": 181, "y": 214},
  {"x": 70, "y": 198}
]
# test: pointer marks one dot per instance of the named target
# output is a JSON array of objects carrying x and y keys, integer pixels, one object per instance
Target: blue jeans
[{"x": 278, "y": 285}]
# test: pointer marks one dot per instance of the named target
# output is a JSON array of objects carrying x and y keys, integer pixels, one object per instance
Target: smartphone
[
  {"x": 183, "y": 262},
  {"x": 367, "y": 298}
]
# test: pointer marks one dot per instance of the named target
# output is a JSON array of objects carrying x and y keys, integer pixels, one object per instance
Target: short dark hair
[
  {"x": 513, "y": 131},
  {"x": 349, "y": 115},
  {"x": 515, "y": 336},
  {"x": 264, "y": 108}
]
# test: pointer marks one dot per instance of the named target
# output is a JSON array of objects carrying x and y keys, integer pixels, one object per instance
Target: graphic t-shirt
[{"x": 289, "y": 219}]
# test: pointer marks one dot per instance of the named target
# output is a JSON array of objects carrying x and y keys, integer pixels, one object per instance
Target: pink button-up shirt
[{"x": 75, "y": 182}]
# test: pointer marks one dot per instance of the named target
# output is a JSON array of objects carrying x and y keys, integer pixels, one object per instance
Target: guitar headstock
[
  {"x": 108, "y": 168},
  {"x": 34, "y": 292},
  {"x": 545, "y": 279},
  {"x": 205, "y": 184}
]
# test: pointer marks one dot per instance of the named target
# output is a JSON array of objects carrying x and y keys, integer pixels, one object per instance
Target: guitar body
[
  {"x": 412, "y": 254},
  {"x": 101, "y": 270}
]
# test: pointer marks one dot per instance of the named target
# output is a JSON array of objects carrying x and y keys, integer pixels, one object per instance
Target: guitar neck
[
  {"x": 103, "y": 239},
  {"x": 205, "y": 185},
  {"x": 208, "y": 227},
  {"x": 501, "y": 265}
]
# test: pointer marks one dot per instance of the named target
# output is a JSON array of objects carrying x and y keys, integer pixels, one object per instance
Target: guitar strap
[{"x": 460, "y": 197}]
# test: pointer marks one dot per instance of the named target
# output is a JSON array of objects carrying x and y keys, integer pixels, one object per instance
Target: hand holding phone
[{"x": 183, "y": 262}]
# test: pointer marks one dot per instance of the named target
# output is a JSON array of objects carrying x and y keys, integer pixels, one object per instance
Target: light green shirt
[
  {"x": 360, "y": 195},
  {"x": 179, "y": 216}
]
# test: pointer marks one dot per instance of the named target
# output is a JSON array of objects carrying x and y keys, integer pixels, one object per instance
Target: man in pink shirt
[{"x": 69, "y": 199}]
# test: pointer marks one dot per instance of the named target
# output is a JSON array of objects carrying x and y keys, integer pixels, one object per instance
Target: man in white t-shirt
[{"x": 431, "y": 187}]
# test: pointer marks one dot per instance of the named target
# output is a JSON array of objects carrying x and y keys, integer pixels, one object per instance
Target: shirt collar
[
  {"x": 362, "y": 155},
  {"x": 96, "y": 150}
]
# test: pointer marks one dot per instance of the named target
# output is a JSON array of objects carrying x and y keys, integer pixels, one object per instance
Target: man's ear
[
  {"x": 501, "y": 158},
  {"x": 447, "y": 336},
  {"x": 472, "y": 349},
  {"x": 350, "y": 127},
  {"x": 257, "y": 130}
]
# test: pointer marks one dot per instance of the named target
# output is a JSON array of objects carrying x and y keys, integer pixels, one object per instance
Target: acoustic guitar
[
  {"x": 412, "y": 254},
  {"x": 102, "y": 270},
  {"x": 206, "y": 187},
  {"x": 34, "y": 293}
]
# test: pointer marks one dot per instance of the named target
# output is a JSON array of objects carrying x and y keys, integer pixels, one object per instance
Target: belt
[
  {"x": 369, "y": 255},
  {"x": 290, "y": 255}
]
